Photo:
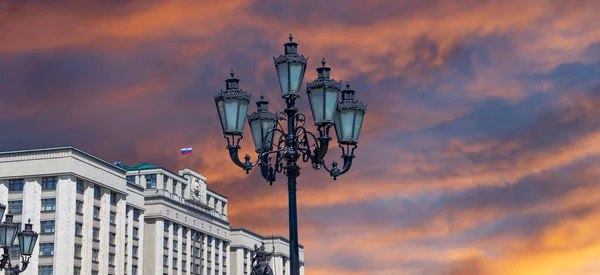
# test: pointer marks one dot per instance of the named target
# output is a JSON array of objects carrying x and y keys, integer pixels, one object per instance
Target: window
[
  {"x": 183, "y": 265},
  {"x": 15, "y": 207},
  {"x": 175, "y": 229},
  {"x": 131, "y": 179},
  {"x": 45, "y": 270},
  {"x": 136, "y": 214},
  {"x": 97, "y": 192},
  {"x": 165, "y": 260},
  {"x": 15, "y": 185},
  {"x": 151, "y": 181},
  {"x": 134, "y": 270},
  {"x": 14, "y": 251},
  {"x": 209, "y": 240},
  {"x": 78, "y": 251},
  {"x": 76, "y": 270},
  {"x": 196, "y": 252},
  {"x": 111, "y": 259},
  {"x": 48, "y": 205},
  {"x": 184, "y": 231},
  {"x": 48, "y": 183},
  {"x": 96, "y": 212},
  {"x": 94, "y": 272},
  {"x": 197, "y": 269},
  {"x": 166, "y": 242},
  {"x": 113, "y": 217},
  {"x": 174, "y": 245},
  {"x": 135, "y": 233},
  {"x": 113, "y": 198},
  {"x": 166, "y": 225},
  {"x": 174, "y": 263},
  {"x": 134, "y": 251},
  {"x": 47, "y": 227},
  {"x": 174, "y": 186},
  {"x": 46, "y": 249},
  {"x": 95, "y": 255},
  {"x": 96, "y": 234},
  {"x": 80, "y": 186},
  {"x": 111, "y": 238},
  {"x": 78, "y": 229},
  {"x": 79, "y": 207}
]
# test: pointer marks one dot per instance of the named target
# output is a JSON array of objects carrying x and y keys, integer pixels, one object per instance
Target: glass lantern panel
[
  {"x": 27, "y": 243},
  {"x": 284, "y": 81},
  {"x": 267, "y": 125},
  {"x": 347, "y": 119},
  {"x": 338, "y": 125},
  {"x": 316, "y": 104},
  {"x": 359, "y": 116},
  {"x": 221, "y": 109},
  {"x": 231, "y": 113},
  {"x": 295, "y": 77},
  {"x": 242, "y": 114},
  {"x": 331, "y": 96},
  {"x": 11, "y": 233},
  {"x": 256, "y": 134}
]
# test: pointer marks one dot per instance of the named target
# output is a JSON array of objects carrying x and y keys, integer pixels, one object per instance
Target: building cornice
[
  {"x": 55, "y": 152},
  {"x": 240, "y": 230},
  {"x": 193, "y": 210}
]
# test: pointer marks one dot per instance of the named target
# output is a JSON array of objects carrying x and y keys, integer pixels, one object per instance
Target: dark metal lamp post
[
  {"x": 9, "y": 231},
  {"x": 294, "y": 141}
]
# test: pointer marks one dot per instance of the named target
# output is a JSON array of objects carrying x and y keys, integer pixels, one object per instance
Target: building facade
[
  {"x": 96, "y": 217},
  {"x": 242, "y": 251}
]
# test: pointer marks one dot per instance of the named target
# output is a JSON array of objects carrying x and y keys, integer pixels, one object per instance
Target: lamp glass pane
[
  {"x": 231, "y": 113},
  {"x": 267, "y": 125},
  {"x": 242, "y": 114},
  {"x": 11, "y": 234},
  {"x": 359, "y": 116},
  {"x": 338, "y": 125},
  {"x": 27, "y": 243},
  {"x": 3, "y": 241},
  {"x": 295, "y": 77},
  {"x": 255, "y": 127},
  {"x": 331, "y": 96},
  {"x": 282, "y": 72},
  {"x": 347, "y": 120},
  {"x": 316, "y": 104},
  {"x": 221, "y": 109},
  {"x": 2, "y": 209}
]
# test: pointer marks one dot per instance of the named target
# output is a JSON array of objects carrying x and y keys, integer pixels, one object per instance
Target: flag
[{"x": 186, "y": 151}]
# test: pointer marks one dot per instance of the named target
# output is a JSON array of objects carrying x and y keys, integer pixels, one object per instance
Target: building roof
[
  {"x": 141, "y": 166},
  {"x": 259, "y": 236}
]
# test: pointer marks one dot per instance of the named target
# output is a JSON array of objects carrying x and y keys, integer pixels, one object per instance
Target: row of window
[{"x": 48, "y": 183}]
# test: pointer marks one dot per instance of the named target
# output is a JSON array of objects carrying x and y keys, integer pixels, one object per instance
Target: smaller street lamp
[{"x": 9, "y": 231}]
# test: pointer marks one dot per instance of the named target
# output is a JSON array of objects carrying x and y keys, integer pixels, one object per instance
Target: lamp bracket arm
[{"x": 347, "y": 156}]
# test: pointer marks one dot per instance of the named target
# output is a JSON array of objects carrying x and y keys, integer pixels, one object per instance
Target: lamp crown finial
[
  {"x": 231, "y": 73},
  {"x": 262, "y": 96},
  {"x": 348, "y": 85},
  {"x": 323, "y": 62},
  {"x": 291, "y": 37}
]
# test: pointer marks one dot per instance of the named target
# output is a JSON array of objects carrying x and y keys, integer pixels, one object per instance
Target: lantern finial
[
  {"x": 291, "y": 37},
  {"x": 262, "y": 96},
  {"x": 231, "y": 73},
  {"x": 348, "y": 85}
]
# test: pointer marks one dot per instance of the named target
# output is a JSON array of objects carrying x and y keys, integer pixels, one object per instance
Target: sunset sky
[{"x": 479, "y": 153}]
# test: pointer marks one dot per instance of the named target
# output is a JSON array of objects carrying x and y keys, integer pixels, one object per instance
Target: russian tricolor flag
[{"x": 186, "y": 151}]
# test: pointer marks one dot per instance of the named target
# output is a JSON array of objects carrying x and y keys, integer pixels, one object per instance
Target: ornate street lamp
[
  {"x": 281, "y": 153},
  {"x": 9, "y": 231}
]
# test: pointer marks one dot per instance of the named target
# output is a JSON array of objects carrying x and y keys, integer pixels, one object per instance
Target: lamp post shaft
[{"x": 292, "y": 170}]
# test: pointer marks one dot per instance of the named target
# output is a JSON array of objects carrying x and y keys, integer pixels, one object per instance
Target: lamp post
[
  {"x": 294, "y": 142},
  {"x": 9, "y": 231}
]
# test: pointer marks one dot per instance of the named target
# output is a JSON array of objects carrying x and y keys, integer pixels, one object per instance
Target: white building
[
  {"x": 242, "y": 252},
  {"x": 95, "y": 217}
]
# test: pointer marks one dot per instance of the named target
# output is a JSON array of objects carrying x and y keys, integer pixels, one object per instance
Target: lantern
[
  {"x": 349, "y": 117},
  {"x": 232, "y": 105},
  {"x": 323, "y": 96},
  {"x": 27, "y": 240},
  {"x": 290, "y": 70},
  {"x": 8, "y": 231},
  {"x": 261, "y": 122}
]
